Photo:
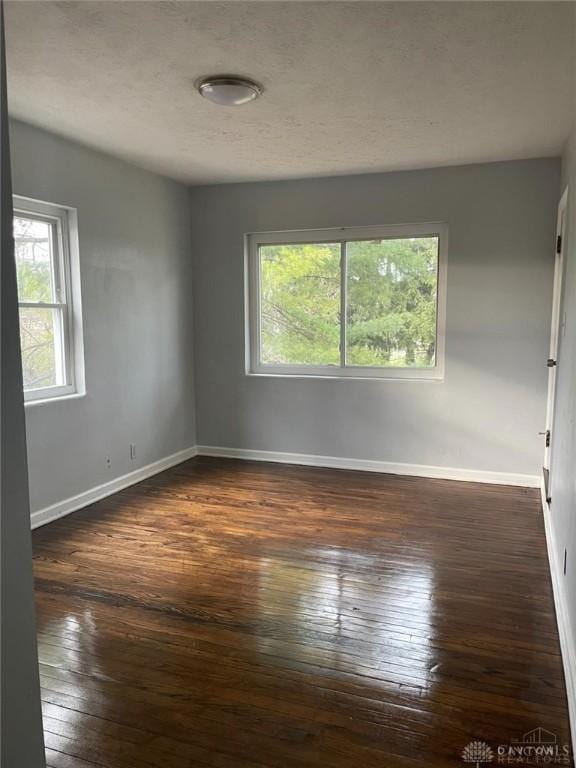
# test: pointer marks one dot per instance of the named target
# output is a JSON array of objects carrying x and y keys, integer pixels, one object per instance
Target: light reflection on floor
[{"x": 335, "y": 606}]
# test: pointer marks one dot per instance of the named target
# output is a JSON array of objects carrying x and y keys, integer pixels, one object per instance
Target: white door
[{"x": 555, "y": 329}]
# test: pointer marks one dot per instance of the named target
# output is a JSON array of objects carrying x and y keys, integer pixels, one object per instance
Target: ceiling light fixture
[{"x": 229, "y": 90}]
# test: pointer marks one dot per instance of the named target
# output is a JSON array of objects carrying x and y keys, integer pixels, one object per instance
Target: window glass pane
[
  {"x": 41, "y": 344},
  {"x": 391, "y": 302},
  {"x": 34, "y": 259},
  {"x": 300, "y": 304}
]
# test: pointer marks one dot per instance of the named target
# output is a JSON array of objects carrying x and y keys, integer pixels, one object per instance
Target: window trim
[
  {"x": 254, "y": 365},
  {"x": 67, "y": 276}
]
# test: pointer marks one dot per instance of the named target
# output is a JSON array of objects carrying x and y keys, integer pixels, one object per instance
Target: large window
[
  {"x": 49, "y": 300},
  {"x": 366, "y": 302}
]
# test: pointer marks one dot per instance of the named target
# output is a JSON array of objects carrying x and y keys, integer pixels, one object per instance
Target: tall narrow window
[
  {"x": 365, "y": 302},
  {"x": 48, "y": 296}
]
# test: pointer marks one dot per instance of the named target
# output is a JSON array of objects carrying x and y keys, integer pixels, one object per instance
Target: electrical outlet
[
  {"x": 132, "y": 451},
  {"x": 108, "y": 463}
]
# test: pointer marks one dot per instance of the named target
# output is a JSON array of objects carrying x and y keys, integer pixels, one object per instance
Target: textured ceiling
[{"x": 349, "y": 87}]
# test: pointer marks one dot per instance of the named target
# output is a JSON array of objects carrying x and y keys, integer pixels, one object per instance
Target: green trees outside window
[
  {"x": 39, "y": 326},
  {"x": 388, "y": 303}
]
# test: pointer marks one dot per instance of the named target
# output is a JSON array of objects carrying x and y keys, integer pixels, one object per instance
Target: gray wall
[
  {"x": 136, "y": 277},
  {"x": 487, "y": 412},
  {"x": 21, "y": 722},
  {"x": 563, "y": 466}
]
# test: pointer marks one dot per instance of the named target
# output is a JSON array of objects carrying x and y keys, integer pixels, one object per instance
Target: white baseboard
[
  {"x": 369, "y": 465},
  {"x": 567, "y": 641},
  {"x": 65, "y": 507},
  {"x": 62, "y": 508}
]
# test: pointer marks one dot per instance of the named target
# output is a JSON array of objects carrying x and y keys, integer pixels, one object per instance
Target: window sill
[
  {"x": 56, "y": 399},
  {"x": 432, "y": 378}
]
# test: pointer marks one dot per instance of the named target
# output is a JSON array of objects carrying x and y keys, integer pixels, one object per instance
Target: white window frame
[
  {"x": 254, "y": 364},
  {"x": 67, "y": 279}
]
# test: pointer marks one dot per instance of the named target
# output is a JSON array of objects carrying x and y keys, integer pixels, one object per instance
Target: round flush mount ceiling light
[{"x": 229, "y": 90}]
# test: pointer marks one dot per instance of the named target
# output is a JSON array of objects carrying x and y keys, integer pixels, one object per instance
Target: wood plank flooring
[{"x": 248, "y": 615}]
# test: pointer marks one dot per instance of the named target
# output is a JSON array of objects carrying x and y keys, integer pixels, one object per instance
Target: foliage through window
[
  {"x": 43, "y": 268},
  {"x": 352, "y": 302}
]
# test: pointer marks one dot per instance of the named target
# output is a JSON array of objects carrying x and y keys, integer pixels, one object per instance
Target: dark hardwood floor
[{"x": 239, "y": 614}]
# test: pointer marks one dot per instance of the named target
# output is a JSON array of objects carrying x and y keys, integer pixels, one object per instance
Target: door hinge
[
  {"x": 559, "y": 244},
  {"x": 551, "y": 362},
  {"x": 547, "y": 435}
]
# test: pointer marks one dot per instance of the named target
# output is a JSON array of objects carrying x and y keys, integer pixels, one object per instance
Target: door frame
[{"x": 555, "y": 330}]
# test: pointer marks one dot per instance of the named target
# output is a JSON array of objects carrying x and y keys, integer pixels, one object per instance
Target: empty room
[{"x": 288, "y": 392}]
